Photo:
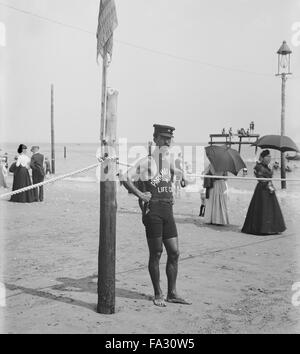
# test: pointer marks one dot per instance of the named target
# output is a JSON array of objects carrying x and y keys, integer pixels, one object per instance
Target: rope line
[
  {"x": 32, "y": 186},
  {"x": 246, "y": 178},
  {"x": 46, "y": 182}
]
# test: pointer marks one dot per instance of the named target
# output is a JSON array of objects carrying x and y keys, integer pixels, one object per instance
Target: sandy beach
[{"x": 237, "y": 283}]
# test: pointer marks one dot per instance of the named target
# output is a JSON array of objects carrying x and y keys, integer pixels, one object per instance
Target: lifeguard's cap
[
  {"x": 164, "y": 130},
  {"x": 34, "y": 147}
]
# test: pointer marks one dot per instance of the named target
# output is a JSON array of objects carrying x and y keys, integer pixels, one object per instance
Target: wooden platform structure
[{"x": 229, "y": 139}]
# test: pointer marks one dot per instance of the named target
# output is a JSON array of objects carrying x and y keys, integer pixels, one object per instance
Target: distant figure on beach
[
  {"x": 223, "y": 131},
  {"x": 203, "y": 202},
  {"x": 22, "y": 178},
  {"x": 156, "y": 171},
  {"x": 264, "y": 215},
  {"x": 288, "y": 168},
  {"x": 5, "y": 159},
  {"x": 251, "y": 127},
  {"x": 13, "y": 166},
  {"x": 216, "y": 209},
  {"x": 38, "y": 172},
  {"x": 276, "y": 165},
  {"x": 187, "y": 167},
  {"x": 47, "y": 166},
  {"x": 230, "y": 131},
  {"x": 3, "y": 172},
  {"x": 179, "y": 166}
]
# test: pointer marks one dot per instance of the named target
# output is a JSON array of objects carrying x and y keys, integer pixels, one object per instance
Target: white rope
[
  {"x": 244, "y": 178},
  {"x": 101, "y": 160},
  {"x": 229, "y": 177},
  {"x": 32, "y": 186}
]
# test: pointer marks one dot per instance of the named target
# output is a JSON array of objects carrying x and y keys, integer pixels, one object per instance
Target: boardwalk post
[{"x": 240, "y": 144}]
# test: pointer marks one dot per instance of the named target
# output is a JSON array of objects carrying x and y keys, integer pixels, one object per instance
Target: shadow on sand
[{"x": 72, "y": 285}]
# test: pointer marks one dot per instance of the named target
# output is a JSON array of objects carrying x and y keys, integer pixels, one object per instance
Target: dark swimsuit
[{"x": 158, "y": 215}]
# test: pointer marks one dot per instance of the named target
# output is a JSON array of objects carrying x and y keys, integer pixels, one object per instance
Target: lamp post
[{"x": 284, "y": 65}]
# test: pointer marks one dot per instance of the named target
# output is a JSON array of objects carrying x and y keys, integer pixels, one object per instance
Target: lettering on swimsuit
[
  {"x": 164, "y": 189},
  {"x": 164, "y": 175}
]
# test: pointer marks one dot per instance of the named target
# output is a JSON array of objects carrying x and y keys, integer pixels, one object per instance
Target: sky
[{"x": 196, "y": 65}]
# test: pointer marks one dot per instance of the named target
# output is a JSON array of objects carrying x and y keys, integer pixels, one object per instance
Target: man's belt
[{"x": 162, "y": 200}]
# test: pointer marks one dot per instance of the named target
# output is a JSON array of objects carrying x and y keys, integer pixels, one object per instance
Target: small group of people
[
  {"x": 243, "y": 132},
  {"x": 264, "y": 216},
  {"x": 21, "y": 177},
  {"x": 229, "y": 131}
]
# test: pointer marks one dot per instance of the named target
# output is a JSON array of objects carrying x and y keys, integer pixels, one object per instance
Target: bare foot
[
  {"x": 159, "y": 301},
  {"x": 175, "y": 299}
]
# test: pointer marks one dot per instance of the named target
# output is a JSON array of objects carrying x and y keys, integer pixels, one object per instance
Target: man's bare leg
[
  {"x": 171, "y": 245},
  {"x": 155, "y": 250}
]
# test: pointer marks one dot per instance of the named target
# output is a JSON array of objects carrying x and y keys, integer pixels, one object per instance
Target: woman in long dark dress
[
  {"x": 22, "y": 178},
  {"x": 264, "y": 216}
]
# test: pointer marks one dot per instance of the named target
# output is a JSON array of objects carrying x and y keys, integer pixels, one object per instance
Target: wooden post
[
  {"x": 103, "y": 97},
  {"x": 283, "y": 173},
  {"x": 52, "y": 131},
  {"x": 149, "y": 148},
  {"x": 108, "y": 211},
  {"x": 240, "y": 144},
  {"x": 65, "y": 152}
]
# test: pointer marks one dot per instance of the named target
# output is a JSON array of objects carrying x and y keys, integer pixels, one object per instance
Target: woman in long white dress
[
  {"x": 22, "y": 178},
  {"x": 216, "y": 210}
]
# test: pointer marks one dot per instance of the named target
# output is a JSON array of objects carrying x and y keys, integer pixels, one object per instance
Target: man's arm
[
  {"x": 135, "y": 173},
  {"x": 177, "y": 171},
  {"x": 32, "y": 162}
]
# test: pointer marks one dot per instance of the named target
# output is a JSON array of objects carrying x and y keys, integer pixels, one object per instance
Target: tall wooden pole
[
  {"x": 103, "y": 98},
  {"x": 283, "y": 172},
  {"x": 52, "y": 131},
  {"x": 108, "y": 204}
]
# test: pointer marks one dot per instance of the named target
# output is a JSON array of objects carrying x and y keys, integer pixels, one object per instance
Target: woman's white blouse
[{"x": 23, "y": 160}]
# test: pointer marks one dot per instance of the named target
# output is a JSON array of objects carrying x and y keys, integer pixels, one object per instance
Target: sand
[{"x": 237, "y": 283}]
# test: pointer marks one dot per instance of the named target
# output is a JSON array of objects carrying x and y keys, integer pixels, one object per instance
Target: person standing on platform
[{"x": 264, "y": 216}]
